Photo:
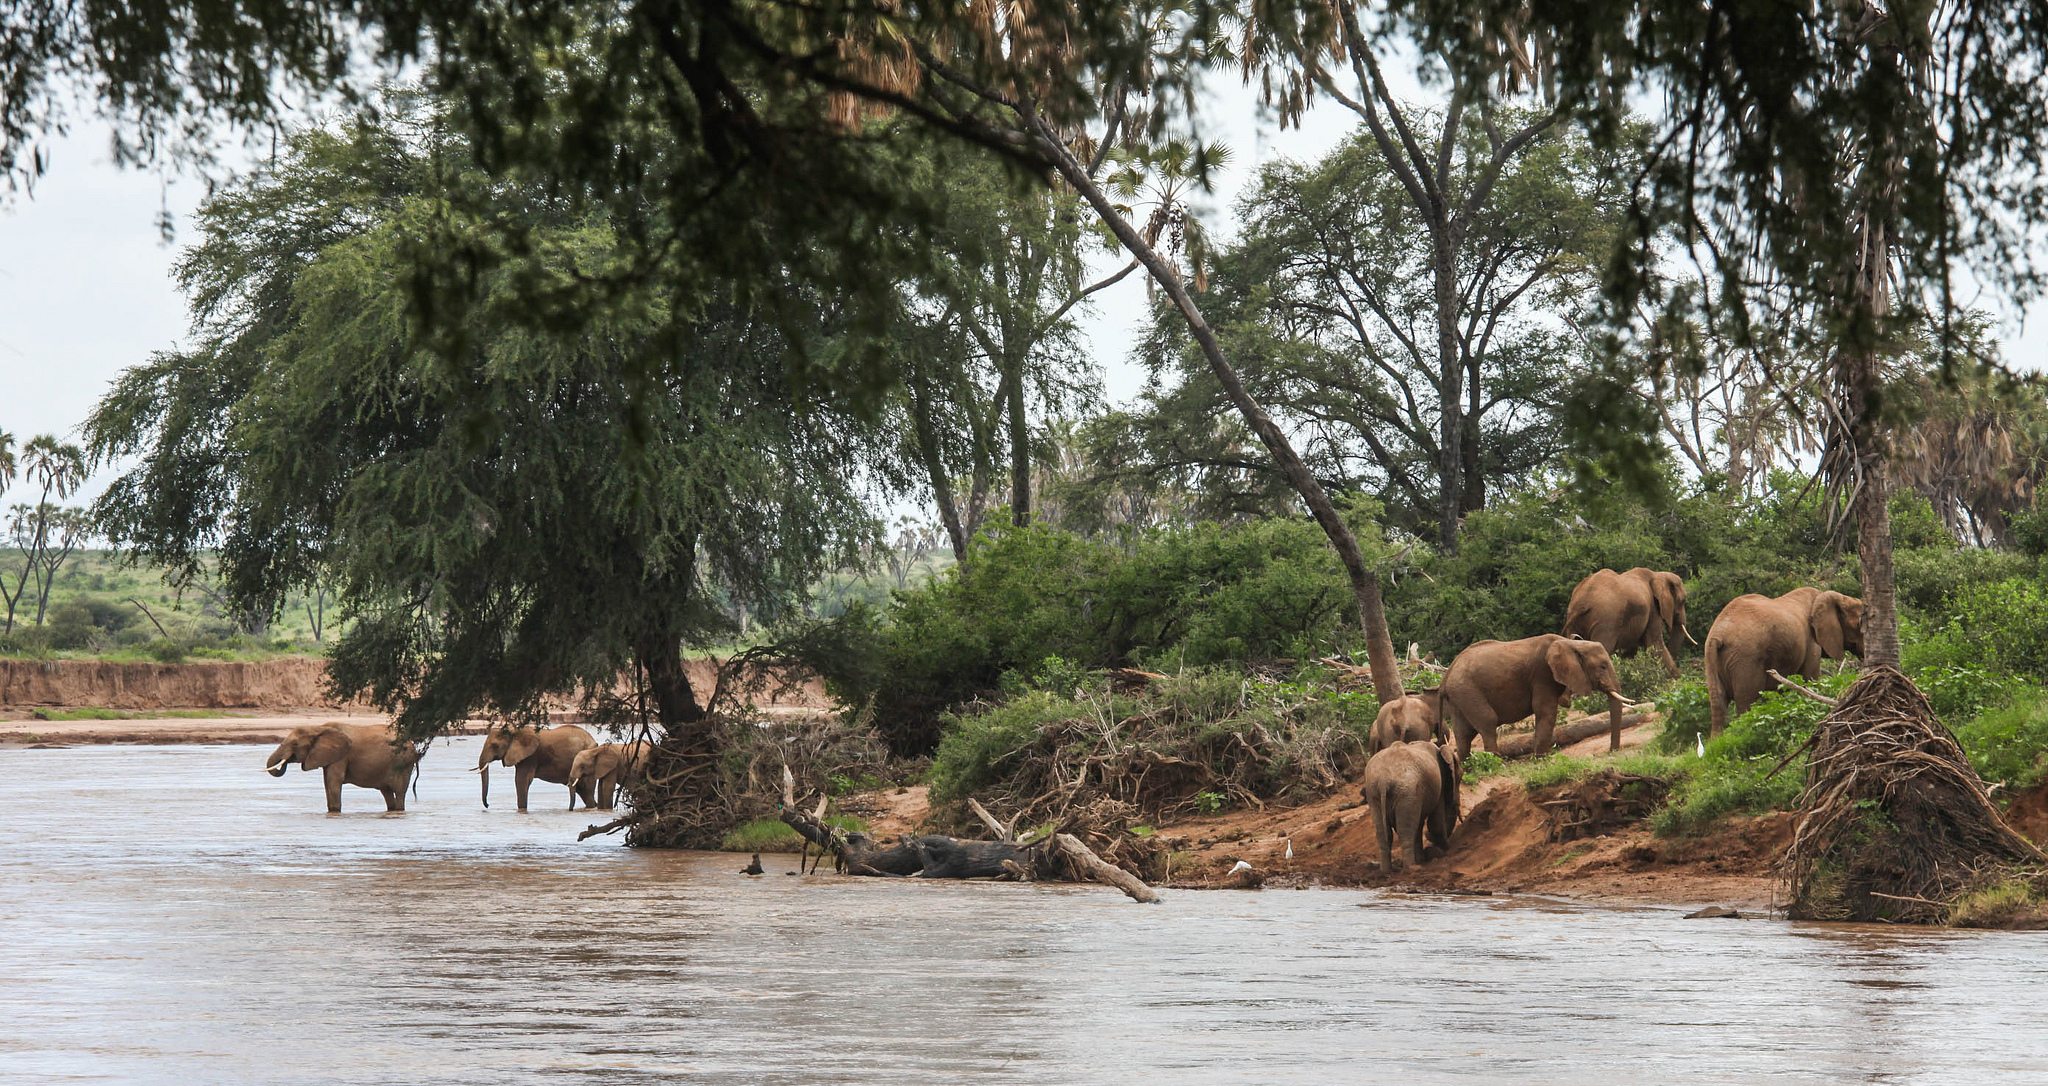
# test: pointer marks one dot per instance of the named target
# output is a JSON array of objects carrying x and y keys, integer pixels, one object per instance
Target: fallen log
[
  {"x": 1102, "y": 870},
  {"x": 1523, "y": 744}
]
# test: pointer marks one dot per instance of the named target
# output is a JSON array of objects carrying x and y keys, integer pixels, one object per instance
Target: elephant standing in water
[
  {"x": 548, "y": 754},
  {"x": 1410, "y": 787},
  {"x": 608, "y": 765},
  {"x": 364, "y": 755},
  {"x": 1789, "y": 634},
  {"x": 1499, "y": 682},
  {"x": 1629, "y": 612}
]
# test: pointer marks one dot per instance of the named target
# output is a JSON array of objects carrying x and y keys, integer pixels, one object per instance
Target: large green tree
[
  {"x": 1329, "y": 295},
  {"x": 510, "y": 511}
]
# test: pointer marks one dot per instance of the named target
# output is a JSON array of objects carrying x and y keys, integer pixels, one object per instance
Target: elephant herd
[
  {"x": 373, "y": 756},
  {"x": 1411, "y": 778}
]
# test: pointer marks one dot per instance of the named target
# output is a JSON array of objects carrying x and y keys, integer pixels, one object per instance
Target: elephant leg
[
  {"x": 1664, "y": 656},
  {"x": 1411, "y": 834},
  {"x": 608, "y": 791},
  {"x": 334, "y": 774},
  {"x": 1546, "y": 724},
  {"x": 394, "y": 798},
  {"x": 523, "y": 781},
  {"x": 1383, "y": 828}
]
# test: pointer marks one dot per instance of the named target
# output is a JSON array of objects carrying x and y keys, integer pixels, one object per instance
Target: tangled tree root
[
  {"x": 1601, "y": 803},
  {"x": 727, "y": 770},
  {"x": 1895, "y": 824}
]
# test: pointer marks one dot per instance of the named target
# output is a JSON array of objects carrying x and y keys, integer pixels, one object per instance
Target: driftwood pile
[
  {"x": 1059, "y": 857},
  {"x": 1895, "y": 825}
]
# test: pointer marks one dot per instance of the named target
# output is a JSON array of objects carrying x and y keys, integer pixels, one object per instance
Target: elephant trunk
[{"x": 484, "y": 776}]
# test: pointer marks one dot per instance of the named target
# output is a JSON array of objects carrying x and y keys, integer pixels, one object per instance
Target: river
[{"x": 173, "y": 915}]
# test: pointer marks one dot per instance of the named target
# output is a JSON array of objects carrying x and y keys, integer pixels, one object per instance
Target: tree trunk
[
  {"x": 935, "y": 468},
  {"x": 1365, "y": 583},
  {"x": 1451, "y": 372},
  {"x": 1872, "y": 510},
  {"x": 1020, "y": 445}
]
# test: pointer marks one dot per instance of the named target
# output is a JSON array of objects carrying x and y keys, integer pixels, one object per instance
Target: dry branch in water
[
  {"x": 1061, "y": 857},
  {"x": 1895, "y": 825}
]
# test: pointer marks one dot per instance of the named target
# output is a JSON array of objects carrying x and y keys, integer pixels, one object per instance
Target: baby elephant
[
  {"x": 1410, "y": 786},
  {"x": 602, "y": 769},
  {"x": 1411, "y": 718},
  {"x": 364, "y": 755}
]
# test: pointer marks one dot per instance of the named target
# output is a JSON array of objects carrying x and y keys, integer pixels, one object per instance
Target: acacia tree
[
  {"x": 1330, "y": 285},
  {"x": 533, "y": 515},
  {"x": 43, "y": 532}
]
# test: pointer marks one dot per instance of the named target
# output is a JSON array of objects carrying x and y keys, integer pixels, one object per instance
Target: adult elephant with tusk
[
  {"x": 363, "y": 755},
  {"x": 1629, "y": 612},
  {"x": 548, "y": 754},
  {"x": 1493, "y": 683}
]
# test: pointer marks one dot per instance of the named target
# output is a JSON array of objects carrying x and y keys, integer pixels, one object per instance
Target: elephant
[
  {"x": 1629, "y": 612},
  {"x": 1498, "y": 682},
  {"x": 1789, "y": 634},
  {"x": 1410, "y": 787},
  {"x": 364, "y": 755},
  {"x": 548, "y": 754},
  {"x": 1406, "y": 719},
  {"x": 606, "y": 766}
]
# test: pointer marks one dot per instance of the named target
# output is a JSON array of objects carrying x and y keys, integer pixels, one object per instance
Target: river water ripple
[{"x": 173, "y": 915}]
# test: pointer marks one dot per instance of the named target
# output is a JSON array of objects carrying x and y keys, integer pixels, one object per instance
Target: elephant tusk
[
  {"x": 1630, "y": 702},
  {"x": 1689, "y": 639},
  {"x": 275, "y": 768}
]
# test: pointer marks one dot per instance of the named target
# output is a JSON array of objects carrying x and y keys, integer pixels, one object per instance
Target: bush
[
  {"x": 2002, "y": 625},
  {"x": 1735, "y": 776},
  {"x": 1200, "y": 741},
  {"x": 1034, "y": 607},
  {"x": 2008, "y": 744},
  {"x": 1687, "y": 717},
  {"x": 775, "y": 835}
]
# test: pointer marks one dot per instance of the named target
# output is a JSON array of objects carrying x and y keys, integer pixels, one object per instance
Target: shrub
[
  {"x": 2002, "y": 625},
  {"x": 1736, "y": 775},
  {"x": 1687, "y": 717},
  {"x": 775, "y": 835},
  {"x": 2009, "y": 744},
  {"x": 1171, "y": 748}
]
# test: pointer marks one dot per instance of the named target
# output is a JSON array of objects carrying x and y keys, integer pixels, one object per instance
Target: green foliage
[
  {"x": 2008, "y": 743},
  {"x": 1481, "y": 764},
  {"x": 1035, "y": 607},
  {"x": 1687, "y": 717},
  {"x": 1735, "y": 775},
  {"x": 510, "y": 512},
  {"x": 2000, "y": 625},
  {"x": 1239, "y": 737},
  {"x": 775, "y": 835}
]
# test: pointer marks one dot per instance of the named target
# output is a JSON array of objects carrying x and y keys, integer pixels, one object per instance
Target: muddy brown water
[{"x": 173, "y": 915}]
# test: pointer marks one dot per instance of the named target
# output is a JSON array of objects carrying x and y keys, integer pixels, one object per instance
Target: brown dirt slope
[
  {"x": 295, "y": 682},
  {"x": 1502, "y": 845}
]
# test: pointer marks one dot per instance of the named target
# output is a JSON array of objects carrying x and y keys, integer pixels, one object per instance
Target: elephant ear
[
  {"x": 1669, "y": 592},
  {"x": 522, "y": 747},
  {"x": 1568, "y": 667},
  {"x": 1824, "y": 618},
  {"x": 328, "y": 747}
]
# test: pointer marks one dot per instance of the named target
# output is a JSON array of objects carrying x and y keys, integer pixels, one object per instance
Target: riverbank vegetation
[{"x": 600, "y": 344}]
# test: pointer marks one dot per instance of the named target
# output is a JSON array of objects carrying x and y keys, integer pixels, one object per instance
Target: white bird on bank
[
  {"x": 1290, "y": 848},
  {"x": 1699, "y": 744}
]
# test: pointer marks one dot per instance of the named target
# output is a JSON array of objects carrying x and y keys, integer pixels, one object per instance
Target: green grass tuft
[{"x": 774, "y": 835}]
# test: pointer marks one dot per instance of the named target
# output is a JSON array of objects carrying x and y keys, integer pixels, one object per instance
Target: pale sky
[{"x": 86, "y": 289}]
